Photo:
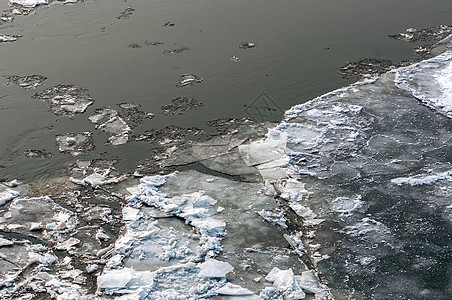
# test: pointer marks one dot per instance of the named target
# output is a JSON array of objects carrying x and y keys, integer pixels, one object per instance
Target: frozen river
[{"x": 164, "y": 150}]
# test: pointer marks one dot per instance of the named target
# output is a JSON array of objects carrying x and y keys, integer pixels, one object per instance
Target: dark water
[{"x": 300, "y": 47}]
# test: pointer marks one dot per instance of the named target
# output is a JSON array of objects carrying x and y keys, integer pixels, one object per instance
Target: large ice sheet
[{"x": 430, "y": 82}]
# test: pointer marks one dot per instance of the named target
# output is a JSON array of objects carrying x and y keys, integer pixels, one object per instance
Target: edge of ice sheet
[{"x": 430, "y": 81}]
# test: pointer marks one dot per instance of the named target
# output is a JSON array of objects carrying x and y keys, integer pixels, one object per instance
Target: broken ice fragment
[
  {"x": 109, "y": 121},
  {"x": 36, "y": 226},
  {"x": 92, "y": 268},
  {"x": 247, "y": 45},
  {"x": 179, "y": 105},
  {"x": 285, "y": 282},
  {"x": 114, "y": 279},
  {"x": 235, "y": 58},
  {"x": 7, "y": 195},
  {"x": 68, "y": 244},
  {"x": 234, "y": 290},
  {"x": 213, "y": 268},
  {"x": 27, "y": 82},
  {"x": 8, "y": 38},
  {"x": 188, "y": 79},
  {"x": 75, "y": 143},
  {"x": 66, "y": 100},
  {"x": 33, "y": 153}
]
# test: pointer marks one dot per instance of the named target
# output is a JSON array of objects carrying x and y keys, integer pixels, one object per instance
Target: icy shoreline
[{"x": 99, "y": 234}]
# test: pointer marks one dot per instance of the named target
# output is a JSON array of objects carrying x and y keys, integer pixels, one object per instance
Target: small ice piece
[
  {"x": 68, "y": 244},
  {"x": 66, "y": 100},
  {"x": 36, "y": 226},
  {"x": 27, "y": 82},
  {"x": 92, "y": 268},
  {"x": 286, "y": 283},
  {"x": 83, "y": 143},
  {"x": 234, "y": 290},
  {"x": 235, "y": 58},
  {"x": 247, "y": 45},
  {"x": 210, "y": 180},
  {"x": 188, "y": 79},
  {"x": 220, "y": 209},
  {"x": 213, "y": 268},
  {"x": 115, "y": 279},
  {"x": 7, "y": 195},
  {"x": 309, "y": 282},
  {"x": 8, "y": 38},
  {"x": 5, "y": 242}
]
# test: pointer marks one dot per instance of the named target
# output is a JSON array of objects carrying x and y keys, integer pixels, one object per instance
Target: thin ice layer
[{"x": 430, "y": 82}]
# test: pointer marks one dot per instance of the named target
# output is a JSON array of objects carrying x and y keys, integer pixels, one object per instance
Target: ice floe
[
  {"x": 27, "y": 82},
  {"x": 429, "y": 81},
  {"x": 66, "y": 100},
  {"x": 8, "y": 38},
  {"x": 109, "y": 121},
  {"x": 188, "y": 79},
  {"x": 75, "y": 143},
  {"x": 179, "y": 105}
]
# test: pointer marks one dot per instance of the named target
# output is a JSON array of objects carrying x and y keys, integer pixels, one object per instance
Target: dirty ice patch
[
  {"x": 109, "y": 121},
  {"x": 66, "y": 100},
  {"x": 8, "y": 38},
  {"x": 75, "y": 143},
  {"x": 430, "y": 81}
]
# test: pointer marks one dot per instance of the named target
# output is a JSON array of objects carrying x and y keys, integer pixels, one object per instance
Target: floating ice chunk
[
  {"x": 234, "y": 290},
  {"x": 68, "y": 244},
  {"x": 29, "y": 3},
  {"x": 66, "y": 100},
  {"x": 285, "y": 282},
  {"x": 109, "y": 121},
  {"x": 430, "y": 82},
  {"x": 92, "y": 268},
  {"x": 423, "y": 179},
  {"x": 8, "y": 38},
  {"x": 7, "y": 195},
  {"x": 115, "y": 279},
  {"x": 27, "y": 82},
  {"x": 247, "y": 45},
  {"x": 213, "y": 268},
  {"x": 211, "y": 226},
  {"x": 83, "y": 143},
  {"x": 5, "y": 242},
  {"x": 179, "y": 105},
  {"x": 36, "y": 226},
  {"x": 188, "y": 79},
  {"x": 309, "y": 283}
]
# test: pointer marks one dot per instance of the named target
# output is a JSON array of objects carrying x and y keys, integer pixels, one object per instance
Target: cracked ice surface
[
  {"x": 160, "y": 257},
  {"x": 376, "y": 164},
  {"x": 429, "y": 81}
]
